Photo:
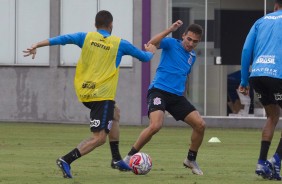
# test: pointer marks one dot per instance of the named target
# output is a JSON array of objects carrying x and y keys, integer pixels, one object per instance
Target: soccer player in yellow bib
[{"x": 95, "y": 84}]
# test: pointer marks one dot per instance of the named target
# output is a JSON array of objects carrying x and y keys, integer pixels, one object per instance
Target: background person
[{"x": 233, "y": 101}]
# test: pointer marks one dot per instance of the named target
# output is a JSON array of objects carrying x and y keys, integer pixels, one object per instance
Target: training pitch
[{"x": 28, "y": 152}]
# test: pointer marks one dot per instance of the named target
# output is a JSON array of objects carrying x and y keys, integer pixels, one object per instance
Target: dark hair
[
  {"x": 103, "y": 19},
  {"x": 195, "y": 28},
  {"x": 279, "y": 2}
]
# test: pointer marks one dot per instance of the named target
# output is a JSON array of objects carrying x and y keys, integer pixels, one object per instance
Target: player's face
[{"x": 190, "y": 40}]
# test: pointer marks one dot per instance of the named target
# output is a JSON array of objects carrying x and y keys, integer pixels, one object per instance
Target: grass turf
[{"x": 28, "y": 152}]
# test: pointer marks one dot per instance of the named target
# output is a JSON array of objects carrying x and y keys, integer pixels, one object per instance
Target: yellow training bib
[{"x": 96, "y": 74}]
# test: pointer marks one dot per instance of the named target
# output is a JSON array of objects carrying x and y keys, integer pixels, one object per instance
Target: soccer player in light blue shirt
[
  {"x": 166, "y": 92},
  {"x": 175, "y": 65},
  {"x": 263, "y": 49}
]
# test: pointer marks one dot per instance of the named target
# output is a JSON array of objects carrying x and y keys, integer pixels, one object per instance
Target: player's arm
[
  {"x": 246, "y": 59},
  {"x": 32, "y": 50},
  {"x": 126, "y": 48},
  {"x": 157, "y": 38},
  {"x": 75, "y": 38}
]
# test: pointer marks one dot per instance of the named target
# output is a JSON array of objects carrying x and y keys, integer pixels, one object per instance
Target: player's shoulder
[
  {"x": 79, "y": 34},
  {"x": 270, "y": 17},
  {"x": 115, "y": 36},
  {"x": 169, "y": 39},
  {"x": 124, "y": 42}
]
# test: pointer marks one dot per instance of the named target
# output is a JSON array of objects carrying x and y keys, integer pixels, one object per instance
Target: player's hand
[
  {"x": 150, "y": 48},
  {"x": 30, "y": 51},
  {"x": 176, "y": 25},
  {"x": 244, "y": 90}
]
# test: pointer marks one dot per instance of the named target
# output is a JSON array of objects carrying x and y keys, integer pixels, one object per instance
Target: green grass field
[{"x": 28, "y": 152}]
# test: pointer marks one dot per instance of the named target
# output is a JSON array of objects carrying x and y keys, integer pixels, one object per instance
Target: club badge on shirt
[{"x": 190, "y": 60}]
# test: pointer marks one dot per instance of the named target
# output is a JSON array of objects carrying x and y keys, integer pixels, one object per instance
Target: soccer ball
[{"x": 141, "y": 163}]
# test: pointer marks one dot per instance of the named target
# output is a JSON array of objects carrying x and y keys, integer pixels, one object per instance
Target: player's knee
[
  {"x": 154, "y": 128},
  {"x": 98, "y": 141},
  {"x": 200, "y": 126},
  {"x": 102, "y": 141}
]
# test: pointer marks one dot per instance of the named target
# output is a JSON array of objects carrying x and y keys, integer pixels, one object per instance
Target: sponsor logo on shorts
[
  {"x": 258, "y": 95},
  {"x": 110, "y": 124},
  {"x": 94, "y": 123},
  {"x": 157, "y": 101},
  {"x": 278, "y": 96}
]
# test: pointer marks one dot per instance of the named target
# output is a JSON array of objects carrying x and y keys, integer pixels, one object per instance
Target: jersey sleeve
[
  {"x": 247, "y": 54},
  {"x": 74, "y": 38},
  {"x": 164, "y": 44},
  {"x": 127, "y": 48}
]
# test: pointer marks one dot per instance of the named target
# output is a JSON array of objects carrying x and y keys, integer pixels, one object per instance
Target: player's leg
[
  {"x": 101, "y": 117},
  {"x": 156, "y": 121},
  {"x": 272, "y": 113},
  {"x": 97, "y": 139},
  {"x": 117, "y": 162},
  {"x": 198, "y": 125},
  {"x": 156, "y": 104},
  {"x": 268, "y": 168},
  {"x": 181, "y": 109},
  {"x": 262, "y": 86},
  {"x": 275, "y": 160}
]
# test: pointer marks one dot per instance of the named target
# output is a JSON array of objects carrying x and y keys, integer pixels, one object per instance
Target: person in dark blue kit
[
  {"x": 233, "y": 100},
  {"x": 95, "y": 83},
  {"x": 262, "y": 48},
  {"x": 166, "y": 92}
]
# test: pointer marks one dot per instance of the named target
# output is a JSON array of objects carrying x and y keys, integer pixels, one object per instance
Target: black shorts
[
  {"x": 268, "y": 89},
  {"x": 101, "y": 115},
  {"x": 178, "y": 106}
]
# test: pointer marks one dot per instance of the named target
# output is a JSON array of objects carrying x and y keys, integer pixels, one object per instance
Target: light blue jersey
[
  {"x": 174, "y": 67},
  {"x": 263, "y": 48},
  {"x": 125, "y": 48}
]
